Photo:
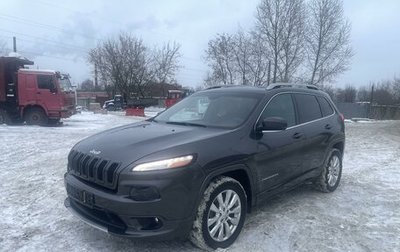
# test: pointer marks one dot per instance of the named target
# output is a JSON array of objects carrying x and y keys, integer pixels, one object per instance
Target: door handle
[
  {"x": 297, "y": 135},
  {"x": 328, "y": 127}
]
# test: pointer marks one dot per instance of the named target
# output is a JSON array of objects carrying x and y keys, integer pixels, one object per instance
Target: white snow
[{"x": 363, "y": 214}]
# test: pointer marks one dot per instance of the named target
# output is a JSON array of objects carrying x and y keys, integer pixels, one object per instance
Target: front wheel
[
  {"x": 331, "y": 174},
  {"x": 3, "y": 116},
  {"x": 36, "y": 116},
  {"x": 221, "y": 214}
]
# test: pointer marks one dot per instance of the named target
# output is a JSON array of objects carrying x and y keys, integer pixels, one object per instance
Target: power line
[
  {"x": 53, "y": 43},
  {"x": 41, "y": 25}
]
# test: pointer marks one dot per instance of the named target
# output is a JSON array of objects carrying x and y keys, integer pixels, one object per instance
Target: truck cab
[{"x": 38, "y": 97}]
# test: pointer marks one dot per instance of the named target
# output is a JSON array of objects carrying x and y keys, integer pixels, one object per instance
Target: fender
[{"x": 223, "y": 170}]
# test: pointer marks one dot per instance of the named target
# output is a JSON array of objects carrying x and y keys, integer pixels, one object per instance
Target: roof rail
[
  {"x": 219, "y": 86},
  {"x": 295, "y": 85}
]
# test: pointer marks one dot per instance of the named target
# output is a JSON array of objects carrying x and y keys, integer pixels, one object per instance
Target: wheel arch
[
  {"x": 339, "y": 146},
  {"x": 241, "y": 173},
  {"x": 27, "y": 108}
]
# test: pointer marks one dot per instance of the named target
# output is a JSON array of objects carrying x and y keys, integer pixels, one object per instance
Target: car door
[
  {"x": 278, "y": 157},
  {"x": 46, "y": 93},
  {"x": 316, "y": 129}
]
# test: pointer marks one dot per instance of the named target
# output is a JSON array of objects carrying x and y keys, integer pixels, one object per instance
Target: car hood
[{"x": 129, "y": 143}]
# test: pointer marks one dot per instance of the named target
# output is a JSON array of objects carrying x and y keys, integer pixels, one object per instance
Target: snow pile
[{"x": 362, "y": 215}]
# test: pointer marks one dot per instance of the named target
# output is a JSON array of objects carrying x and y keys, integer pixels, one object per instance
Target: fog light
[{"x": 146, "y": 223}]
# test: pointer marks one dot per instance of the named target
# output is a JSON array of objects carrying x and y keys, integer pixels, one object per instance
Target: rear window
[
  {"x": 308, "y": 107},
  {"x": 326, "y": 108}
]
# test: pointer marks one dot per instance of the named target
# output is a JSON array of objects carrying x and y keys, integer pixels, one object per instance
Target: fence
[{"x": 364, "y": 110}]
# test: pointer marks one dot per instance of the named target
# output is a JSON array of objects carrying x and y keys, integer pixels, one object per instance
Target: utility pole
[
  {"x": 95, "y": 77},
  {"x": 14, "y": 44},
  {"x": 371, "y": 101},
  {"x": 269, "y": 73}
]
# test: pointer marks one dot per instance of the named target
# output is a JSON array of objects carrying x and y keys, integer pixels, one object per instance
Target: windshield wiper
[
  {"x": 187, "y": 124},
  {"x": 151, "y": 120}
]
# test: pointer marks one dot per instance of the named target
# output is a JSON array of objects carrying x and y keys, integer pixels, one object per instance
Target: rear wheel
[
  {"x": 329, "y": 179},
  {"x": 3, "y": 116},
  {"x": 221, "y": 214},
  {"x": 36, "y": 116}
]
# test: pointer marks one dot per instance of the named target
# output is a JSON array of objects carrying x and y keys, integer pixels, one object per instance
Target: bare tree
[
  {"x": 259, "y": 63},
  {"x": 280, "y": 25},
  {"x": 220, "y": 57},
  {"x": 396, "y": 90},
  {"x": 384, "y": 94},
  {"x": 130, "y": 65},
  {"x": 166, "y": 60},
  {"x": 237, "y": 59},
  {"x": 327, "y": 41},
  {"x": 364, "y": 94},
  {"x": 87, "y": 85}
]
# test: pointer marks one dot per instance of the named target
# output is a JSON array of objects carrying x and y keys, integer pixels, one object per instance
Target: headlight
[{"x": 164, "y": 164}]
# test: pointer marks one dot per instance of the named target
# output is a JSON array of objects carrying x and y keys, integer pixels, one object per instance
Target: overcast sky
[{"x": 58, "y": 34}]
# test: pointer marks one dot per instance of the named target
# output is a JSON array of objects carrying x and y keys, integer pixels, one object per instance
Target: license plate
[{"x": 80, "y": 195}]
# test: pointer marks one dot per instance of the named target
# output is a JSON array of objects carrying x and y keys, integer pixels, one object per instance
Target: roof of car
[{"x": 265, "y": 89}]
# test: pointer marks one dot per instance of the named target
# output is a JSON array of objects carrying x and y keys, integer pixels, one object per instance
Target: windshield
[
  {"x": 211, "y": 110},
  {"x": 65, "y": 84}
]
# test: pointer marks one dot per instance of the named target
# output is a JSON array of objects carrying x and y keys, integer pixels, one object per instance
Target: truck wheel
[
  {"x": 329, "y": 179},
  {"x": 111, "y": 107},
  {"x": 36, "y": 116},
  {"x": 221, "y": 214},
  {"x": 3, "y": 115}
]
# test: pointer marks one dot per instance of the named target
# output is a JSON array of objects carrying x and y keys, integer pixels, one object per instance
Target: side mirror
[{"x": 273, "y": 123}]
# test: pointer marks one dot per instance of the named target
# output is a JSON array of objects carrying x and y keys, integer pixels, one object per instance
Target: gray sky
[{"x": 57, "y": 34}]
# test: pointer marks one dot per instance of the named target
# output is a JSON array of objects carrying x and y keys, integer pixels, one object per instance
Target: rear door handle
[
  {"x": 328, "y": 127},
  {"x": 297, "y": 135}
]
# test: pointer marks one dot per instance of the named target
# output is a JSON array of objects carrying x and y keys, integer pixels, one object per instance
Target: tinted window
[
  {"x": 281, "y": 106},
  {"x": 308, "y": 107},
  {"x": 45, "y": 82},
  {"x": 325, "y": 106}
]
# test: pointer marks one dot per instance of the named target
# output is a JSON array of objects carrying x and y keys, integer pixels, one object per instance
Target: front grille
[{"x": 93, "y": 169}]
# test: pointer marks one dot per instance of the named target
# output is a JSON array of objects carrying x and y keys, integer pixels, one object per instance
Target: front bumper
[{"x": 169, "y": 217}]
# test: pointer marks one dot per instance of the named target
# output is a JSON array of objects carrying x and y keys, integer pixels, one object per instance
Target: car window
[
  {"x": 45, "y": 82},
  {"x": 326, "y": 108},
  {"x": 307, "y": 107},
  {"x": 281, "y": 106}
]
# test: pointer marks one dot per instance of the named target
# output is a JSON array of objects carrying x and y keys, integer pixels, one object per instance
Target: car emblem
[{"x": 95, "y": 152}]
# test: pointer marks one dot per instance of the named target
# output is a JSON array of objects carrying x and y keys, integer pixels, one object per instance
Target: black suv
[{"x": 196, "y": 169}]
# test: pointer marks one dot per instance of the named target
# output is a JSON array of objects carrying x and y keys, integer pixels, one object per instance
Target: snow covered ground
[{"x": 362, "y": 215}]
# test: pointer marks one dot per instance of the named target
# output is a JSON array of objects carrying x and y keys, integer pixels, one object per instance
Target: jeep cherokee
[{"x": 196, "y": 169}]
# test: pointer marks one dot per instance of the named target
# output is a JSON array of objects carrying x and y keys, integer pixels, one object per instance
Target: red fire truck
[{"x": 38, "y": 97}]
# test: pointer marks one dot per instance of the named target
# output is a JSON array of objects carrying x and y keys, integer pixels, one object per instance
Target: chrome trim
[
  {"x": 270, "y": 177},
  {"x": 297, "y": 125}
]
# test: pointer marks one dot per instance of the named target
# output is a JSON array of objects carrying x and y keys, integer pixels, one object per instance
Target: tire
[
  {"x": 205, "y": 235},
  {"x": 331, "y": 173},
  {"x": 110, "y": 108},
  {"x": 36, "y": 116},
  {"x": 54, "y": 122},
  {"x": 3, "y": 116}
]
